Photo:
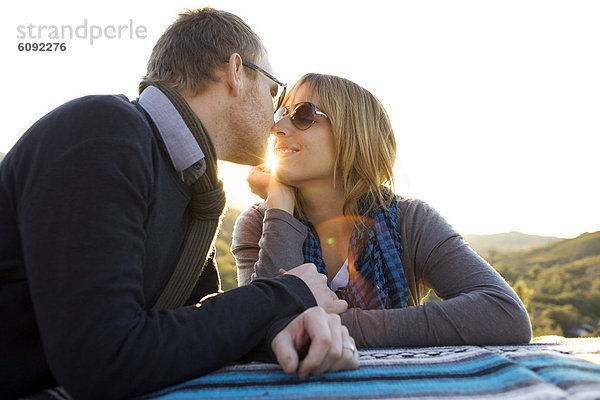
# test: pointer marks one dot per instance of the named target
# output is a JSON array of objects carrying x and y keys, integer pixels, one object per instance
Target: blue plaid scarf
[{"x": 376, "y": 275}]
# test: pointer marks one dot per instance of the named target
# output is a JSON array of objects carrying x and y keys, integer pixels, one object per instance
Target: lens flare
[
  {"x": 271, "y": 161},
  {"x": 354, "y": 218}
]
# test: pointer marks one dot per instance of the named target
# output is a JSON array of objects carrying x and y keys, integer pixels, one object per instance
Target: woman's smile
[{"x": 284, "y": 151}]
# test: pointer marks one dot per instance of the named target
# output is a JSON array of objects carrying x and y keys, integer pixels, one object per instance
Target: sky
[{"x": 495, "y": 104}]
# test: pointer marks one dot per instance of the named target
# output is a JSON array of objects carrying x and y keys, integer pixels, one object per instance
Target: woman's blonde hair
[{"x": 363, "y": 135}]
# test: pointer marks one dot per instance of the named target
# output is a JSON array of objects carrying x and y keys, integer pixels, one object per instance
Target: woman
[{"x": 329, "y": 203}]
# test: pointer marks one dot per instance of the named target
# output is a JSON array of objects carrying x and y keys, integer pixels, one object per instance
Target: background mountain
[
  {"x": 507, "y": 242},
  {"x": 559, "y": 284},
  {"x": 557, "y": 279}
]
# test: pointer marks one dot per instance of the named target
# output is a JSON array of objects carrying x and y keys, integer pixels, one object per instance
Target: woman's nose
[{"x": 280, "y": 128}]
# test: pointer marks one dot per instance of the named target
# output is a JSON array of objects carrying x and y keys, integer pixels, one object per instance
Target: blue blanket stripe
[
  {"x": 278, "y": 378},
  {"x": 444, "y": 388},
  {"x": 466, "y": 368},
  {"x": 484, "y": 378},
  {"x": 563, "y": 371},
  {"x": 466, "y": 374},
  {"x": 556, "y": 361}
]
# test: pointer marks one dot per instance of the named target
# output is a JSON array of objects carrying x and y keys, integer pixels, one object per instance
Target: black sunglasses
[
  {"x": 281, "y": 87},
  {"x": 302, "y": 115}
]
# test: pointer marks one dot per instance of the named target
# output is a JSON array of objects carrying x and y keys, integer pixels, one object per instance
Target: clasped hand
[{"x": 331, "y": 348}]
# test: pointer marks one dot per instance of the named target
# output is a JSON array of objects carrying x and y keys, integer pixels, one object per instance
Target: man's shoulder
[
  {"x": 117, "y": 99},
  {"x": 97, "y": 116},
  {"x": 82, "y": 124},
  {"x": 101, "y": 106}
]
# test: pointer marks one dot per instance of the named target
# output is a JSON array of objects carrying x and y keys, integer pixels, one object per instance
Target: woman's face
[{"x": 304, "y": 157}]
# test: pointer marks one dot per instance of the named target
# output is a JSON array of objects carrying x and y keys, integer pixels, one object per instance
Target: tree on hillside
[
  {"x": 225, "y": 260},
  {"x": 558, "y": 283}
]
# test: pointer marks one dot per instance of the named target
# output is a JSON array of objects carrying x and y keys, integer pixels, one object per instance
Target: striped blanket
[
  {"x": 548, "y": 368},
  {"x": 552, "y": 368}
]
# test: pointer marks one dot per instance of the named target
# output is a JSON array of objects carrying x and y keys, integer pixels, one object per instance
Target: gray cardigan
[{"x": 479, "y": 307}]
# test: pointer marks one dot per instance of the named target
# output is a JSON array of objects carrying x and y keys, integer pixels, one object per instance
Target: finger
[
  {"x": 337, "y": 306},
  {"x": 283, "y": 348},
  {"x": 350, "y": 358},
  {"x": 254, "y": 171},
  {"x": 260, "y": 168},
  {"x": 335, "y": 352},
  {"x": 258, "y": 180},
  {"x": 310, "y": 267},
  {"x": 317, "y": 328}
]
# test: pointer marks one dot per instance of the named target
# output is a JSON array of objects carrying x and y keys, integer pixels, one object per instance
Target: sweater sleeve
[
  {"x": 82, "y": 227},
  {"x": 478, "y": 306},
  {"x": 209, "y": 281},
  {"x": 265, "y": 241}
]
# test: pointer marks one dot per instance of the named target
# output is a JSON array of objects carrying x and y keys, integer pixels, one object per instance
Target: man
[{"x": 108, "y": 211}]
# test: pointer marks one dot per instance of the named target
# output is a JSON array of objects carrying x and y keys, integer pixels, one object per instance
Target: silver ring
[{"x": 349, "y": 346}]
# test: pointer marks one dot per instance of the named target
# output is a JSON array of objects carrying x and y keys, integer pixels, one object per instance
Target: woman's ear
[{"x": 234, "y": 72}]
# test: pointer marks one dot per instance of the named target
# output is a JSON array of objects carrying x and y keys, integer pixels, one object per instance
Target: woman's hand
[
  {"x": 317, "y": 283},
  {"x": 258, "y": 180},
  {"x": 264, "y": 184}
]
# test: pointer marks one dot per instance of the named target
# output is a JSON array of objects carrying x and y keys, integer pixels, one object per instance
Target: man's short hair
[{"x": 199, "y": 41}]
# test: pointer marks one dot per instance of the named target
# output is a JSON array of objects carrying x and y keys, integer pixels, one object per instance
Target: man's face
[{"x": 252, "y": 117}]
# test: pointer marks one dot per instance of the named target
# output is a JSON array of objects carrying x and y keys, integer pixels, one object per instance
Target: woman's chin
[{"x": 284, "y": 175}]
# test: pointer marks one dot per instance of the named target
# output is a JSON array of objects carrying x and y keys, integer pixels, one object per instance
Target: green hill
[
  {"x": 225, "y": 260},
  {"x": 559, "y": 284},
  {"x": 507, "y": 242},
  {"x": 553, "y": 255}
]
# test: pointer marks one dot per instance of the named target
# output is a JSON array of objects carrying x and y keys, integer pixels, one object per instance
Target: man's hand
[
  {"x": 331, "y": 347},
  {"x": 317, "y": 283}
]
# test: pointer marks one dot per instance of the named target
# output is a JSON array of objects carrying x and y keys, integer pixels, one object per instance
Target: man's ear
[{"x": 234, "y": 72}]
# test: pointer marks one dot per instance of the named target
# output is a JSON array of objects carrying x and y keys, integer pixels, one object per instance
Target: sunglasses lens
[{"x": 303, "y": 115}]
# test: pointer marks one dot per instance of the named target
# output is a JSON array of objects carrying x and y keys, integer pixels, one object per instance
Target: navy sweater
[{"x": 92, "y": 217}]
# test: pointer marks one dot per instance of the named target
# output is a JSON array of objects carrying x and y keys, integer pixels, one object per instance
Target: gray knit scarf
[{"x": 205, "y": 208}]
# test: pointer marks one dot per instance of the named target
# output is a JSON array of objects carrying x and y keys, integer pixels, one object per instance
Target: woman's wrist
[{"x": 281, "y": 199}]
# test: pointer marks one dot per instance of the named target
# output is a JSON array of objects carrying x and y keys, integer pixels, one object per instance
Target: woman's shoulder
[
  {"x": 418, "y": 219},
  {"x": 418, "y": 214},
  {"x": 408, "y": 207}
]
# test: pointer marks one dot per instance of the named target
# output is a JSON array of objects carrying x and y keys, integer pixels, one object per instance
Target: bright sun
[{"x": 271, "y": 161}]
